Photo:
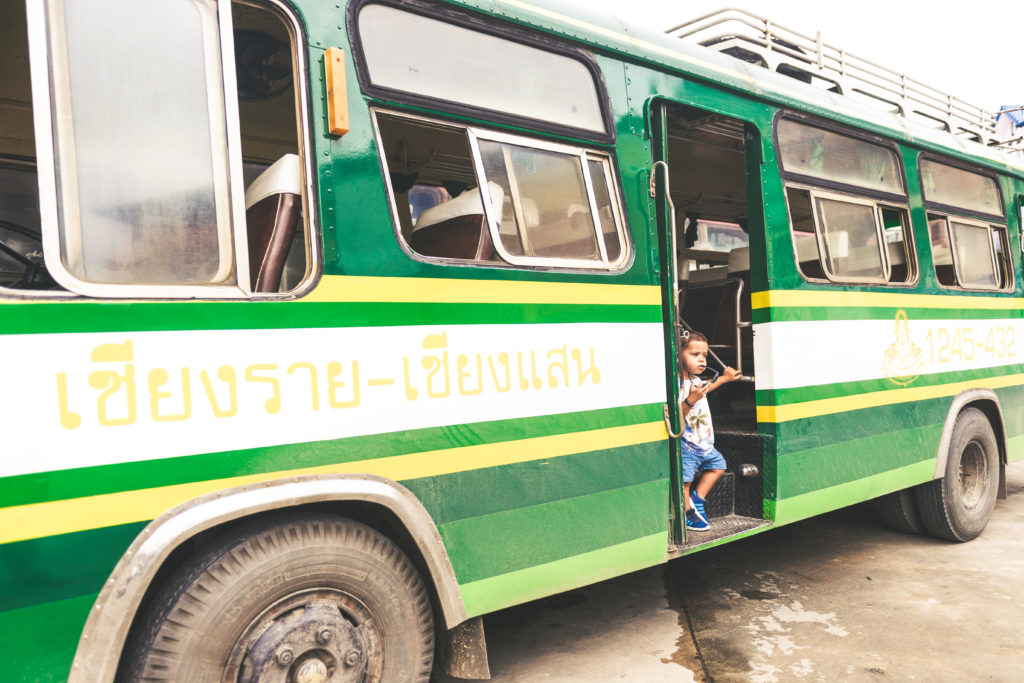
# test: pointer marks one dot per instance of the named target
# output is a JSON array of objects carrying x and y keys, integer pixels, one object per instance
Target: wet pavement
[{"x": 833, "y": 598}]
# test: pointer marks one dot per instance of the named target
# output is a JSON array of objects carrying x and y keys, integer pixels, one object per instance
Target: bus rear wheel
[
  {"x": 310, "y": 598},
  {"x": 959, "y": 506}
]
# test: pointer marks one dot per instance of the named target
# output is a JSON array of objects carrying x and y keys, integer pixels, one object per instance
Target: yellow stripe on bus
[
  {"x": 874, "y": 399},
  {"x": 806, "y": 298},
  {"x": 37, "y": 520},
  {"x": 352, "y": 288}
]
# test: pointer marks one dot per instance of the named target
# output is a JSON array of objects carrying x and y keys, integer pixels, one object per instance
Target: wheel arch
[
  {"x": 115, "y": 608},
  {"x": 987, "y": 402}
]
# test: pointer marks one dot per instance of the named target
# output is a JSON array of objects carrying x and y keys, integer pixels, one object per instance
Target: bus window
[
  {"x": 823, "y": 154},
  {"x": 403, "y": 52},
  {"x": 899, "y": 244},
  {"x": 145, "y": 180},
  {"x": 970, "y": 251},
  {"x": 852, "y": 245},
  {"x": 805, "y": 242},
  {"x": 21, "y": 245},
  {"x": 852, "y": 234},
  {"x": 548, "y": 205},
  {"x": 969, "y": 254}
]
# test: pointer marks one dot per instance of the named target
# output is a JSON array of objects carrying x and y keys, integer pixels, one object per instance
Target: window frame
[
  {"x": 497, "y": 29},
  {"x": 992, "y": 227},
  {"x": 507, "y": 260},
  {"x": 965, "y": 215},
  {"x": 815, "y": 193},
  {"x": 791, "y": 177},
  {"x": 47, "y": 68},
  {"x": 952, "y": 208}
]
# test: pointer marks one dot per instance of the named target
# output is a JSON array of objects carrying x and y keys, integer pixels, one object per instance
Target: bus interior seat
[
  {"x": 272, "y": 205},
  {"x": 457, "y": 228},
  {"x": 713, "y": 310},
  {"x": 739, "y": 260}
]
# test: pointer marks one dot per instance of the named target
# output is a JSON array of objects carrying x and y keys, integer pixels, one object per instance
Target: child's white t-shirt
[{"x": 698, "y": 430}]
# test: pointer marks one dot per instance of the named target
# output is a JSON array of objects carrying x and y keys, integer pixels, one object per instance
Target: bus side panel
[{"x": 852, "y": 439}]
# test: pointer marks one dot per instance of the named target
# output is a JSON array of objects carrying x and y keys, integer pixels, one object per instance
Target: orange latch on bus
[{"x": 337, "y": 91}]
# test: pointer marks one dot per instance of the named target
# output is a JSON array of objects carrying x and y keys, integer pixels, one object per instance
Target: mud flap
[{"x": 462, "y": 651}]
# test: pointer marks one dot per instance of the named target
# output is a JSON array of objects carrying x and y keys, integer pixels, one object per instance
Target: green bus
[{"x": 329, "y": 327}]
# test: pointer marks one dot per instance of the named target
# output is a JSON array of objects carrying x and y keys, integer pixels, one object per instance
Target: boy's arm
[{"x": 729, "y": 374}]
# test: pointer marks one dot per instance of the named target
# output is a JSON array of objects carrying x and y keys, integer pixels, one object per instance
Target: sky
[{"x": 971, "y": 51}]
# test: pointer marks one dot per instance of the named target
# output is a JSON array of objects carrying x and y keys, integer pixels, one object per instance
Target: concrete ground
[{"x": 831, "y": 598}]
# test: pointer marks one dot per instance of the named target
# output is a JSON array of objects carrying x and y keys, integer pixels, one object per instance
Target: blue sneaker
[
  {"x": 694, "y": 522},
  {"x": 697, "y": 503}
]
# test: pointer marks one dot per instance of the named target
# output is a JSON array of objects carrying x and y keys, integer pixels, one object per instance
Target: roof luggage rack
[{"x": 762, "y": 42}]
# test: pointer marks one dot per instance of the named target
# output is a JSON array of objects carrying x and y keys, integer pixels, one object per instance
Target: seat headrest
[
  {"x": 283, "y": 177},
  {"x": 466, "y": 204},
  {"x": 739, "y": 259}
]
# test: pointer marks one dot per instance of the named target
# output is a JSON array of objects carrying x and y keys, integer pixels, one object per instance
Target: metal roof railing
[{"x": 760, "y": 41}]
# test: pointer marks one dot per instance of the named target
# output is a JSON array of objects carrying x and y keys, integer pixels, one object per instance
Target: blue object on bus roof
[{"x": 1014, "y": 111}]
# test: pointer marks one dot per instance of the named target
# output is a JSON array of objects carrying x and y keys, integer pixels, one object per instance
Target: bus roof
[{"x": 609, "y": 33}]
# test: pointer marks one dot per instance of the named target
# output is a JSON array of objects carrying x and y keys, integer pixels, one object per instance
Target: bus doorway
[{"x": 708, "y": 191}]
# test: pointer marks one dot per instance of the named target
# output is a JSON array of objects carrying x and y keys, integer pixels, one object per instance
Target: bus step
[{"x": 718, "y": 528}]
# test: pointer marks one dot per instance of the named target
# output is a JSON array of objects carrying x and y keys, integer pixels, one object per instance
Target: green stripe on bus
[
  {"x": 88, "y": 481},
  {"x": 822, "y": 314},
  {"x": 837, "y": 428},
  {"x": 1015, "y": 448},
  {"x": 512, "y": 588},
  {"x": 474, "y": 493},
  {"x": 503, "y": 542},
  {"x": 835, "y": 497},
  {"x": 168, "y": 316},
  {"x": 39, "y": 642},
  {"x": 60, "y": 567},
  {"x": 854, "y": 460}
]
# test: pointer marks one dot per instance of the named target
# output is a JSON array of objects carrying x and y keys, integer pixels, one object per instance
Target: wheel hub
[
  {"x": 973, "y": 475},
  {"x": 320, "y": 636}
]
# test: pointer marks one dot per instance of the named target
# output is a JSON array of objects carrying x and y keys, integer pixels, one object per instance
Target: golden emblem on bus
[{"x": 903, "y": 360}]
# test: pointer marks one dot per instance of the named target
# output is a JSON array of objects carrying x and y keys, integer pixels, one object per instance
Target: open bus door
[{"x": 705, "y": 182}]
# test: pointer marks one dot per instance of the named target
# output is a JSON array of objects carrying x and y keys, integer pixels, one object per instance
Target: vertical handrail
[{"x": 673, "y": 259}]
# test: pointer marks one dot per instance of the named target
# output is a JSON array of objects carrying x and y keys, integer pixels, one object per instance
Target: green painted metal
[
  {"x": 834, "y": 497},
  {"x": 503, "y": 542},
  {"x": 40, "y": 641},
  {"x": 513, "y": 588}
]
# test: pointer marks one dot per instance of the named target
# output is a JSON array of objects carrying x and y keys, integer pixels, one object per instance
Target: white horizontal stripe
[
  {"x": 274, "y": 399},
  {"x": 808, "y": 353}
]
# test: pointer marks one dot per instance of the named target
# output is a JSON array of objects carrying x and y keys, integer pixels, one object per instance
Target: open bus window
[
  {"x": 21, "y": 247},
  {"x": 969, "y": 254},
  {"x": 805, "y": 242},
  {"x": 899, "y": 245},
  {"x": 466, "y": 194},
  {"x": 850, "y": 234},
  {"x": 850, "y": 239},
  {"x": 145, "y": 180}
]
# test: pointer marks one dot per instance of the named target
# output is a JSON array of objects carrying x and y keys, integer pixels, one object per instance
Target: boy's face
[{"x": 695, "y": 357}]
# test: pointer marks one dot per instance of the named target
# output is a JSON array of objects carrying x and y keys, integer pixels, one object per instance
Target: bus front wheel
[
  {"x": 300, "y": 598},
  {"x": 958, "y": 506}
]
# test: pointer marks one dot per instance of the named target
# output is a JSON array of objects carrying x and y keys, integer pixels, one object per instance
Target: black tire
[
  {"x": 898, "y": 511},
  {"x": 284, "y": 598},
  {"x": 958, "y": 506}
]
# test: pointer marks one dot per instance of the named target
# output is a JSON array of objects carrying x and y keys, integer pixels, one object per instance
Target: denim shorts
[{"x": 694, "y": 461}]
